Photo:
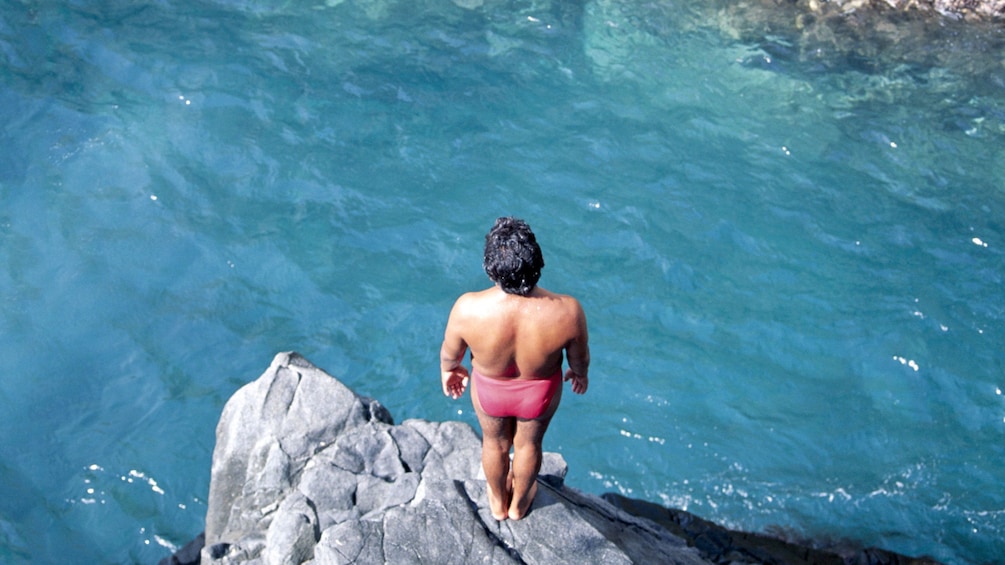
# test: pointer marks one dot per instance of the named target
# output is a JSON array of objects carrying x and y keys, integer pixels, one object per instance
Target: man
[{"x": 518, "y": 334}]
